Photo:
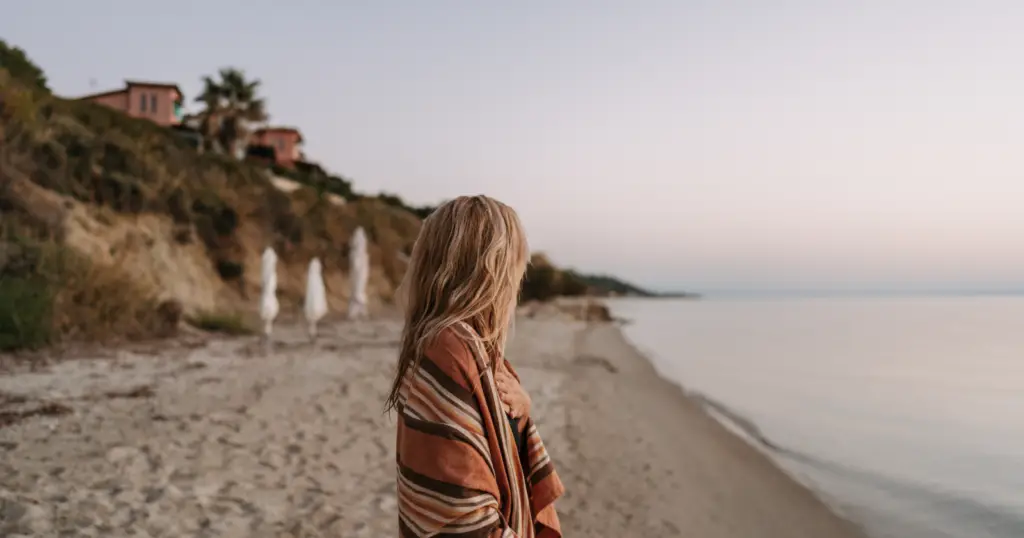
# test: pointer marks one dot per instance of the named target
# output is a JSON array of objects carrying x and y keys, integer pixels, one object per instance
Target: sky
[{"x": 697, "y": 145}]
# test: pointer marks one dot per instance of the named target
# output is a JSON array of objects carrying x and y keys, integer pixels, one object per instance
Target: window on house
[
  {"x": 142, "y": 103},
  {"x": 152, "y": 103}
]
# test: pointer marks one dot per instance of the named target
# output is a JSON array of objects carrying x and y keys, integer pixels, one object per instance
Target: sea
[{"x": 905, "y": 415}]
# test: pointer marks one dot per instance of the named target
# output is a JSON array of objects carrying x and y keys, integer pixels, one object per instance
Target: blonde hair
[{"x": 467, "y": 266}]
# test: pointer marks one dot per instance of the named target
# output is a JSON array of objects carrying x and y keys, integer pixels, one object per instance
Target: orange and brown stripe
[{"x": 459, "y": 473}]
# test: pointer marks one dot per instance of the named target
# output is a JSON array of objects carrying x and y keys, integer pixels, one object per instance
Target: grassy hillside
[{"x": 119, "y": 216}]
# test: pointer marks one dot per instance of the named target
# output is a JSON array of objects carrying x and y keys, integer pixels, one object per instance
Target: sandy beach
[{"x": 210, "y": 436}]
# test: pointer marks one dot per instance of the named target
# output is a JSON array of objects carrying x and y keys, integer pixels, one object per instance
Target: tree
[
  {"x": 543, "y": 281},
  {"x": 21, "y": 68},
  {"x": 573, "y": 285},
  {"x": 232, "y": 105},
  {"x": 394, "y": 200},
  {"x": 208, "y": 120},
  {"x": 538, "y": 284}
]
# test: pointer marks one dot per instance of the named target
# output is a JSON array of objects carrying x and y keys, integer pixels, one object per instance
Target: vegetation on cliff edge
[{"x": 103, "y": 159}]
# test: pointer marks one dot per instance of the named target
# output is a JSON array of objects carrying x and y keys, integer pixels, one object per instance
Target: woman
[{"x": 470, "y": 461}]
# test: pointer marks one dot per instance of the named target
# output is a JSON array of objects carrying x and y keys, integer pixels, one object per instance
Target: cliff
[{"x": 114, "y": 227}]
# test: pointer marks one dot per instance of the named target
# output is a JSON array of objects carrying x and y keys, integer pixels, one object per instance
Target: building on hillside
[
  {"x": 286, "y": 141},
  {"x": 156, "y": 101}
]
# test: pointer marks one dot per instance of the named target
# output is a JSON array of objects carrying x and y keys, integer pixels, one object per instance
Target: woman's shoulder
[{"x": 451, "y": 352}]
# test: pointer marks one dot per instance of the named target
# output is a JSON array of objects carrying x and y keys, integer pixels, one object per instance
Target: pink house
[
  {"x": 155, "y": 101},
  {"x": 286, "y": 142}
]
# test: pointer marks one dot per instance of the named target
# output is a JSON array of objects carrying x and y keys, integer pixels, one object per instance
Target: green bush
[
  {"x": 231, "y": 323},
  {"x": 317, "y": 178},
  {"x": 539, "y": 284},
  {"x": 26, "y": 312},
  {"x": 395, "y": 201},
  {"x": 50, "y": 293},
  {"x": 573, "y": 285},
  {"x": 21, "y": 67},
  {"x": 230, "y": 270},
  {"x": 544, "y": 281}
]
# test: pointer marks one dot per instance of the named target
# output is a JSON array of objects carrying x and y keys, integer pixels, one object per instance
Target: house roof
[
  {"x": 101, "y": 94},
  {"x": 279, "y": 129},
  {"x": 151, "y": 84},
  {"x": 130, "y": 83}
]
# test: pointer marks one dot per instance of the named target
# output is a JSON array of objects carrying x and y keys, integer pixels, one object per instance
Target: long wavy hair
[{"x": 467, "y": 266}]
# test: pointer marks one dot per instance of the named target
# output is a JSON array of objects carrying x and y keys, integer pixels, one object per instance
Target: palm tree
[
  {"x": 231, "y": 107},
  {"x": 209, "y": 118}
]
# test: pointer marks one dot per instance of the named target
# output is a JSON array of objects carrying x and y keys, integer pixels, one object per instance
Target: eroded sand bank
[{"x": 210, "y": 437}]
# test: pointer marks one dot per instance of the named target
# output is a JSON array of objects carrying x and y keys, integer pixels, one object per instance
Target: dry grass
[
  {"x": 99, "y": 156},
  {"x": 26, "y": 308},
  {"x": 122, "y": 167},
  {"x": 102, "y": 157},
  {"x": 94, "y": 302},
  {"x": 232, "y": 323},
  {"x": 49, "y": 293}
]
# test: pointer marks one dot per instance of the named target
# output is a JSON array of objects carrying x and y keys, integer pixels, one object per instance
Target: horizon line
[{"x": 869, "y": 292}]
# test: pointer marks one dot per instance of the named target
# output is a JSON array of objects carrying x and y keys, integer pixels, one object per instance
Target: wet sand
[{"x": 211, "y": 437}]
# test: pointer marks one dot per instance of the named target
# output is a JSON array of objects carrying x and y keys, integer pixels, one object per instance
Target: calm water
[{"x": 905, "y": 414}]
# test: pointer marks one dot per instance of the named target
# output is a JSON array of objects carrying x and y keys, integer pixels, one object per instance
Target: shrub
[
  {"x": 17, "y": 63},
  {"x": 544, "y": 281},
  {"x": 395, "y": 201},
  {"x": 100, "y": 303},
  {"x": 573, "y": 285},
  {"x": 26, "y": 313},
  {"x": 229, "y": 270},
  {"x": 539, "y": 283},
  {"x": 49, "y": 293},
  {"x": 316, "y": 177},
  {"x": 232, "y": 323}
]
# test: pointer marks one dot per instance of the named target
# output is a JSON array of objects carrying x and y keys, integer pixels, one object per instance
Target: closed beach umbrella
[
  {"x": 316, "y": 296},
  {"x": 359, "y": 274},
  {"x": 269, "y": 306}
]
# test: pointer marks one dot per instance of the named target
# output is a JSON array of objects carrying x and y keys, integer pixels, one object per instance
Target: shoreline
[
  {"x": 743, "y": 429},
  {"x": 207, "y": 436},
  {"x": 644, "y": 450}
]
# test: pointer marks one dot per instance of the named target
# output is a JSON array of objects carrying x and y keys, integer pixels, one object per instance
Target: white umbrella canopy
[
  {"x": 359, "y": 274},
  {"x": 316, "y": 296},
  {"x": 269, "y": 307}
]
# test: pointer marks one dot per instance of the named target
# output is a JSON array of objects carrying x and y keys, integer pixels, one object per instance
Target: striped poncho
[{"x": 459, "y": 474}]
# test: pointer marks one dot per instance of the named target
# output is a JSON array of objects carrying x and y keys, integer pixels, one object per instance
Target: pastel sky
[{"x": 709, "y": 144}]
